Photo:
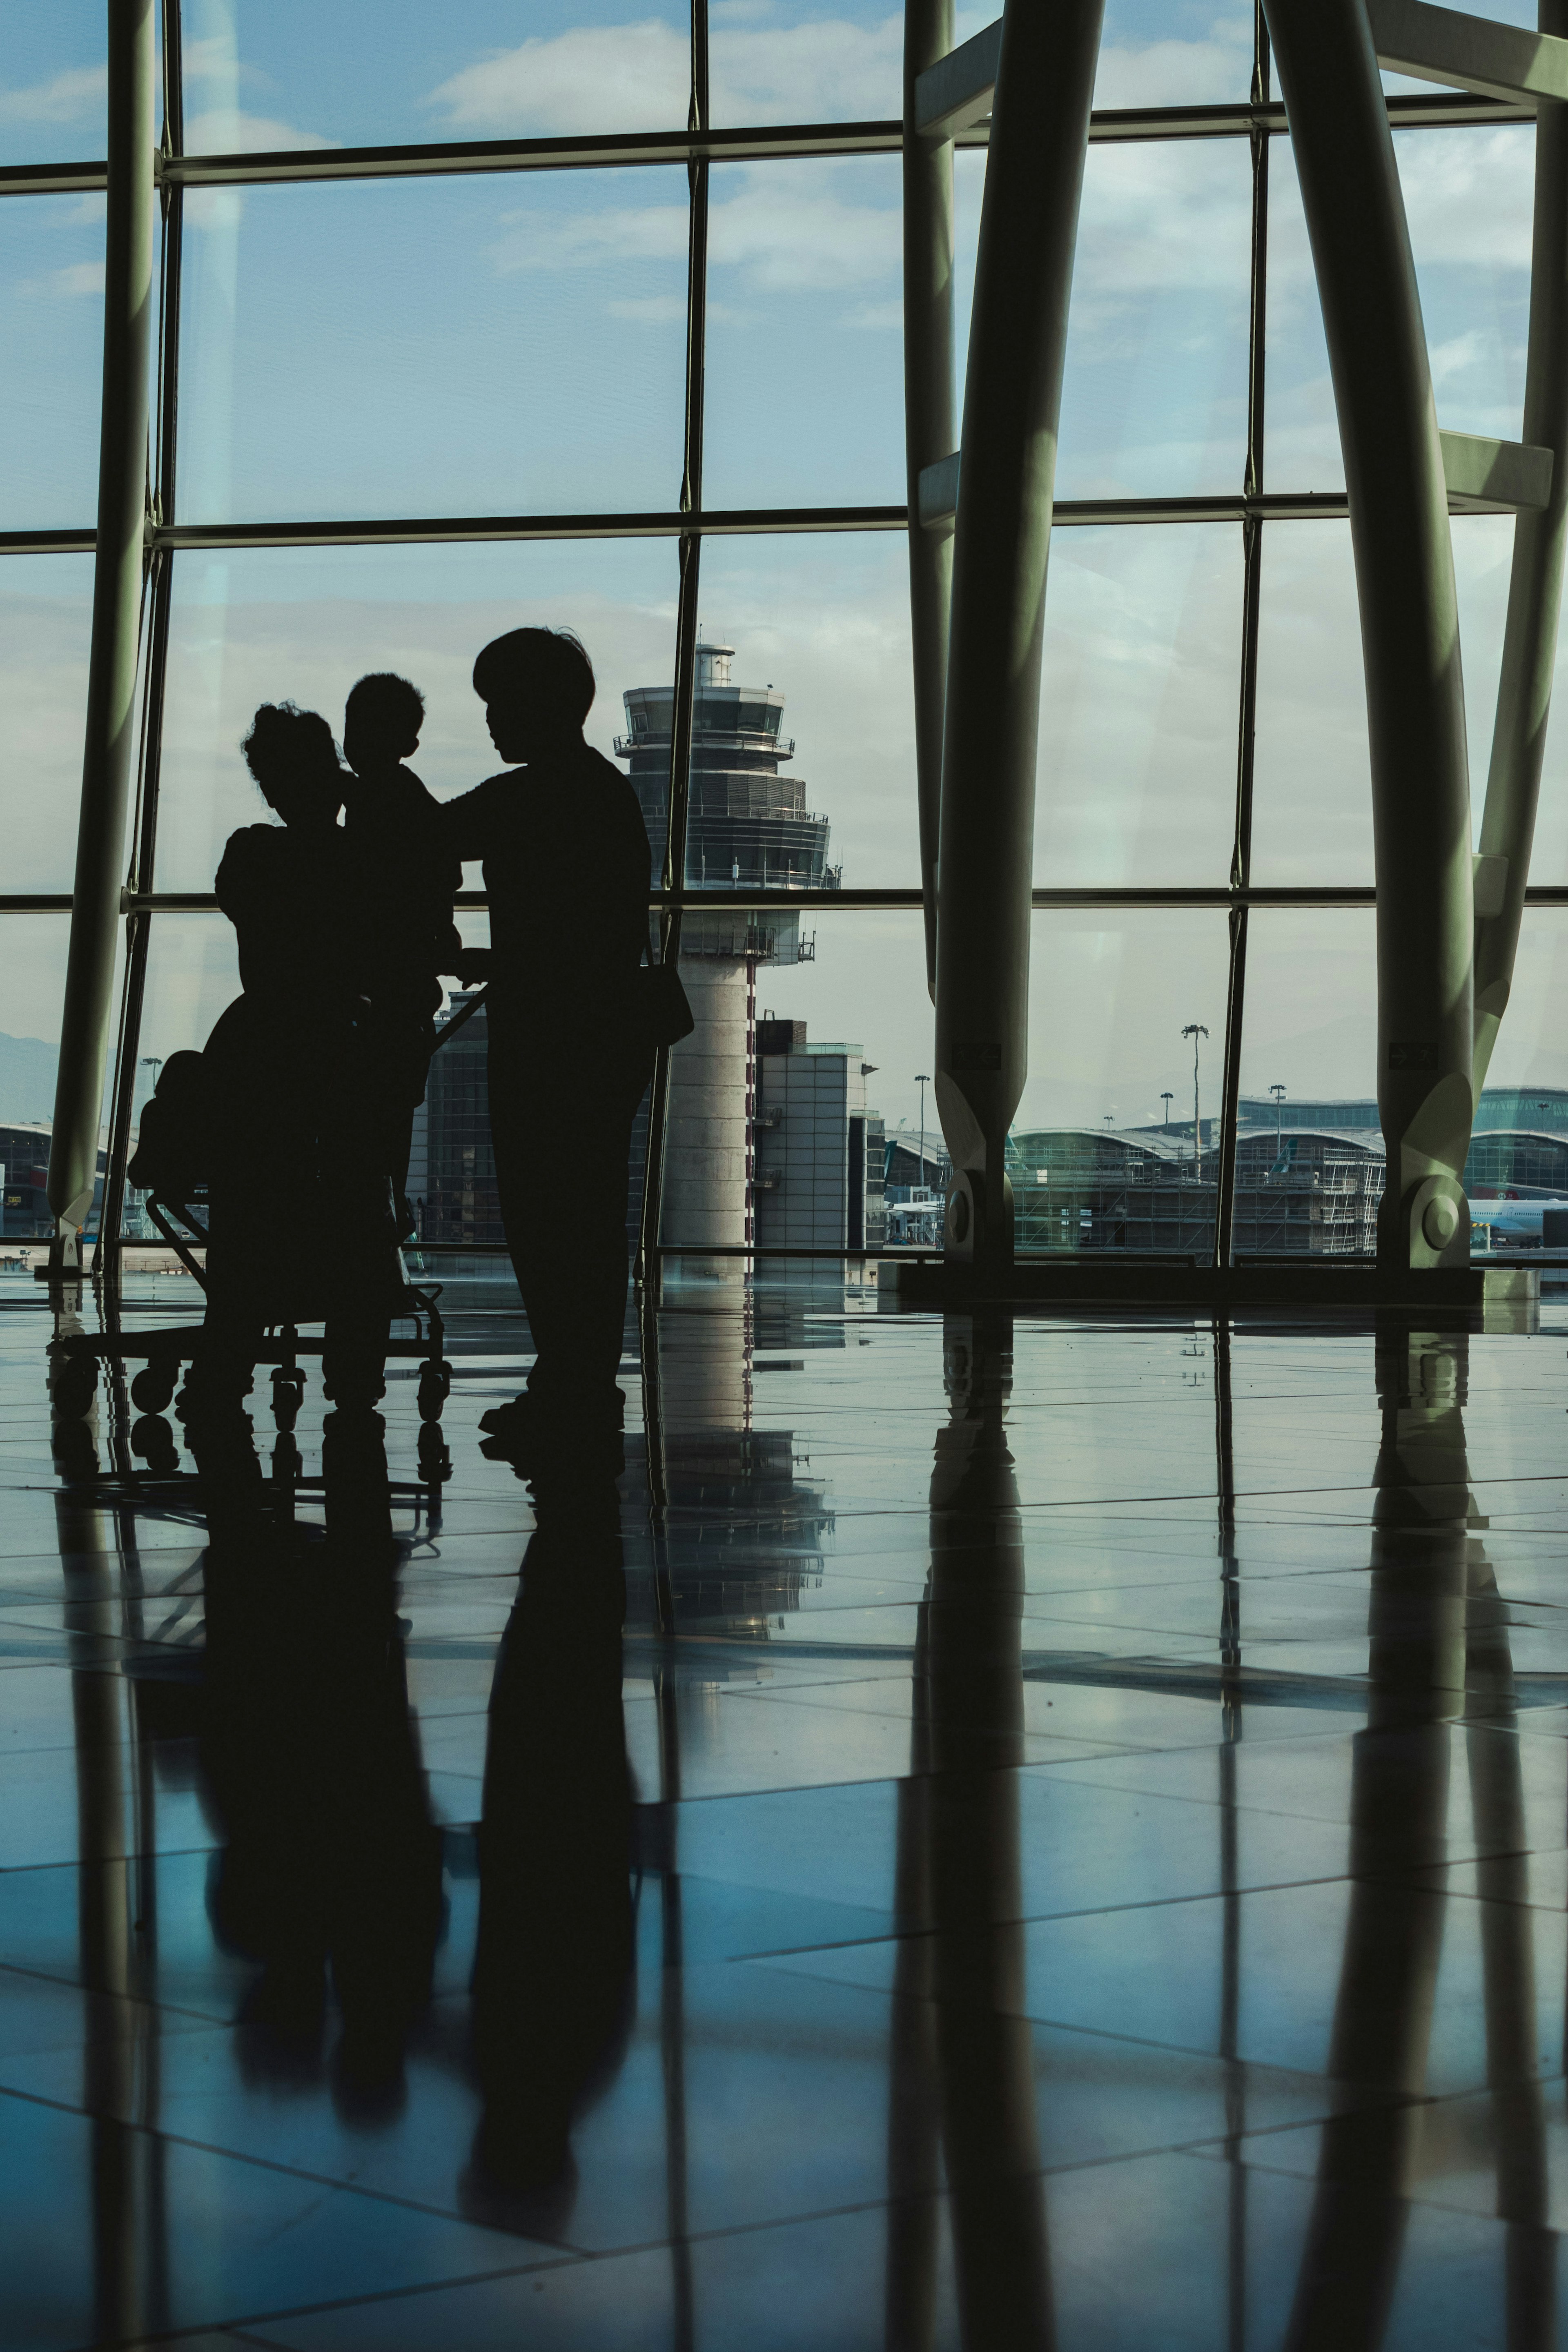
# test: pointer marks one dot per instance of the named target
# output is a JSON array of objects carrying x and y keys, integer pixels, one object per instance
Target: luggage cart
[{"x": 77, "y": 1358}]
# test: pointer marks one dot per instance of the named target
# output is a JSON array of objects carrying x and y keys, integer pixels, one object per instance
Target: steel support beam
[
  {"x": 1028, "y": 228},
  {"x": 929, "y": 422},
  {"x": 1468, "y": 53},
  {"x": 1487, "y": 476},
  {"x": 1482, "y": 477},
  {"x": 1409, "y": 619},
  {"x": 1535, "y": 592},
  {"x": 116, "y": 622},
  {"x": 953, "y": 90}
]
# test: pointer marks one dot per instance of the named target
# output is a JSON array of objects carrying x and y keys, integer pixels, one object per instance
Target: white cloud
[
  {"x": 215, "y": 59},
  {"x": 1453, "y": 357},
  {"x": 76, "y": 278},
  {"x": 817, "y": 242},
  {"x": 65, "y": 98},
  {"x": 1177, "y": 73},
  {"x": 227, "y": 130},
  {"x": 653, "y": 308},
  {"x": 1469, "y": 196},
  {"x": 600, "y": 78},
  {"x": 876, "y": 316},
  {"x": 639, "y": 76}
]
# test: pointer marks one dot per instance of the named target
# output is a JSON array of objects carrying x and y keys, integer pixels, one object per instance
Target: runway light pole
[
  {"x": 1194, "y": 1030},
  {"x": 922, "y": 1080},
  {"x": 1278, "y": 1095},
  {"x": 1167, "y": 1098}
]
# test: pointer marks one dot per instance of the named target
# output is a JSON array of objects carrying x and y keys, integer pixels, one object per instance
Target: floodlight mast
[{"x": 1194, "y": 1030}]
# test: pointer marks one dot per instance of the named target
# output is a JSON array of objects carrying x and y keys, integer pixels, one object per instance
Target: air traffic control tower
[{"x": 748, "y": 828}]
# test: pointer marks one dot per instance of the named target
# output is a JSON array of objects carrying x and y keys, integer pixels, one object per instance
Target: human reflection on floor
[
  {"x": 330, "y": 1876},
  {"x": 1438, "y": 1658},
  {"x": 554, "y": 1969}
]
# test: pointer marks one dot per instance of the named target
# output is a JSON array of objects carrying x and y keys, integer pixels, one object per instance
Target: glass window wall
[{"x": 418, "y": 372}]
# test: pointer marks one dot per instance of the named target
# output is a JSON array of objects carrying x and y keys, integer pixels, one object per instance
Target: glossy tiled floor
[{"x": 990, "y": 1835}]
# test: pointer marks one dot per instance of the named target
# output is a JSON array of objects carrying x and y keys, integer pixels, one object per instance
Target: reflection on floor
[{"x": 986, "y": 1835}]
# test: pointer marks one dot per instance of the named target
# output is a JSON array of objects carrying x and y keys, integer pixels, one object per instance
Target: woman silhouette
[{"x": 287, "y": 1086}]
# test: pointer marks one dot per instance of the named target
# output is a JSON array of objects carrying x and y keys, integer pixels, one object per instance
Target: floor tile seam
[
  {"x": 895, "y": 1780},
  {"x": 250, "y": 2321},
  {"x": 98, "y": 1862},
  {"x": 155, "y": 2132},
  {"x": 154, "y": 2009},
  {"x": 572, "y": 2261},
  {"x": 1032, "y": 1918},
  {"x": 1405, "y": 2195},
  {"x": 1083, "y": 1767}
]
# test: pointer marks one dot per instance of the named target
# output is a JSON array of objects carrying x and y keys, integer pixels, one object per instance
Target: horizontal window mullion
[
  {"x": 1111, "y": 126},
  {"x": 736, "y": 522}
]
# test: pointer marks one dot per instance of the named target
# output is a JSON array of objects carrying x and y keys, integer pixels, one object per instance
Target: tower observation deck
[{"x": 747, "y": 828}]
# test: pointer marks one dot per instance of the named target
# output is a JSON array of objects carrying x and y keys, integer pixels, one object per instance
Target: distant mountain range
[{"x": 28, "y": 1069}]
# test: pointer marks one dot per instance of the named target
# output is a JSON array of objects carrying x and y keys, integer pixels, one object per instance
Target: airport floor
[{"x": 989, "y": 1834}]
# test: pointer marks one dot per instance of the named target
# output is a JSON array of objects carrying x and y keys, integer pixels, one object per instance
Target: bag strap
[{"x": 457, "y": 1019}]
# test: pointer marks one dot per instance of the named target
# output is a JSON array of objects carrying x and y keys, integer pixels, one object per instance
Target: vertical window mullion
[
  {"x": 678, "y": 793},
  {"x": 146, "y": 823},
  {"x": 1252, "y": 564}
]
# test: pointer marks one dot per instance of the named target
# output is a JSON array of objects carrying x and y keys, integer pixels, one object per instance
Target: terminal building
[{"x": 1309, "y": 1178}]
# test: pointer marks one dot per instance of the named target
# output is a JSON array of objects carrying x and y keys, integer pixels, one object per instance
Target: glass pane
[
  {"x": 1517, "y": 1172},
  {"x": 1301, "y": 446},
  {"x": 288, "y": 73},
  {"x": 804, "y": 401},
  {"x": 1468, "y": 195},
  {"x": 51, "y": 361},
  {"x": 276, "y": 623},
  {"x": 52, "y": 108},
  {"x": 803, "y": 754},
  {"x": 810, "y": 1062},
  {"x": 45, "y": 626},
  {"x": 1312, "y": 783},
  {"x": 192, "y": 975},
  {"x": 1468, "y": 198},
  {"x": 1103, "y": 1137},
  {"x": 1309, "y": 1155},
  {"x": 32, "y": 988},
  {"x": 1313, "y": 780},
  {"x": 1154, "y": 394},
  {"x": 1309, "y": 1151},
  {"x": 1138, "y": 711},
  {"x": 505, "y": 345},
  {"x": 797, "y": 61},
  {"x": 33, "y": 953},
  {"x": 1172, "y": 52}
]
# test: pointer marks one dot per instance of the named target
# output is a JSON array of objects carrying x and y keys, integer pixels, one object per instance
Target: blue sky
[{"x": 516, "y": 343}]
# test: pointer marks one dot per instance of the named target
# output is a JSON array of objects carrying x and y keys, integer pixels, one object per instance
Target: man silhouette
[
  {"x": 403, "y": 880},
  {"x": 567, "y": 868}
]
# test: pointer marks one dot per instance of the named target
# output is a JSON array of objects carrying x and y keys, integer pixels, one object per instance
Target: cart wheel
[
  {"x": 435, "y": 1461},
  {"x": 154, "y": 1440},
  {"x": 154, "y": 1386},
  {"x": 288, "y": 1395},
  {"x": 435, "y": 1387},
  {"x": 75, "y": 1385}
]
